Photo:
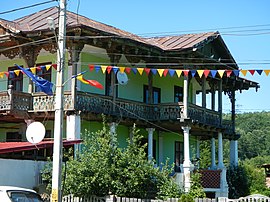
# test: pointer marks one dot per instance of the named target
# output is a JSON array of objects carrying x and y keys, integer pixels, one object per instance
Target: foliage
[
  {"x": 103, "y": 168},
  {"x": 254, "y": 129},
  {"x": 205, "y": 154},
  {"x": 196, "y": 189},
  {"x": 237, "y": 180},
  {"x": 256, "y": 175}
]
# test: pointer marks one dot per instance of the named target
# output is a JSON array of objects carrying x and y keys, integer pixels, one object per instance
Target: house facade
[{"x": 164, "y": 80}]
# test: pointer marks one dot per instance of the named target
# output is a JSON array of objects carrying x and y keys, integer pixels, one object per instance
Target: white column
[
  {"x": 220, "y": 151},
  {"x": 150, "y": 143},
  {"x": 234, "y": 153},
  {"x": 113, "y": 126},
  {"x": 185, "y": 98},
  {"x": 213, "y": 154},
  {"x": 160, "y": 149},
  {"x": 73, "y": 127},
  {"x": 187, "y": 165},
  {"x": 223, "y": 181}
]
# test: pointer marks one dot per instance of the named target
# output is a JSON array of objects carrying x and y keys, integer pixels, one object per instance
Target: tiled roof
[
  {"x": 38, "y": 22},
  {"x": 8, "y": 147},
  {"x": 182, "y": 41}
]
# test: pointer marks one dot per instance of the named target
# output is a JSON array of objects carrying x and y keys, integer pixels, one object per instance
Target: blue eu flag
[{"x": 42, "y": 84}]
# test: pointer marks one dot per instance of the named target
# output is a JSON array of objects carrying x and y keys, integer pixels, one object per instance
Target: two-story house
[{"x": 162, "y": 79}]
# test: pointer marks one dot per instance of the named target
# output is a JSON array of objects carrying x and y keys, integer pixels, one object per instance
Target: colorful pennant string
[{"x": 161, "y": 72}]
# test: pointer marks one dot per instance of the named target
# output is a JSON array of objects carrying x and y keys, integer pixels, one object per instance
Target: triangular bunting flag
[
  {"x": 186, "y": 72},
  {"x": 213, "y": 73},
  {"x": 221, "y": 72},
  {"x": 252, "y": 72},
  {"x": 128, "y": 69},
  {"x": 165, "y": 72},
  {"x": 200, "y": 72},
  {"x": 43, "y": 67},
  {"x": 54, "y": 66},
  {"x": 259, "y": 71},
  {"x": 266, "y": 71},
  {"x": 38, "y": 68},
  {"x": 171, "y": 72},
  {"x": 91, "y": 67},
  {"x": 193, "y": 72},
  {"x": 97, "y": 67},
  {"x": 236, "y": 72},
  {"x": 115, "y": 69},
  {"x": 103, "y": 68},
  {"x": 154, "y": 71},
  {"x": 206, "y": 73},
  {"x": 11, "y": 74},
  {"x": 160, "y": 72},
  {"x": 2, "y": 75},
  {"x": 109, "y": 68},
  {"x": 48, "y": 67},
  {"x": 244, "y": 72},
  {"x": 134, "y": 70},
  {"x": 33, "y": 70},
  {"x": 7, "y": 74},
  {"x": 228, "y": 73},
  {"x": 140, "y": 70},
  {"x": 178, "y": 72},
  {"x": 147, "y": 70},
  {"x": 122, "y": 69},
  {"x": 17, "y": 72}
]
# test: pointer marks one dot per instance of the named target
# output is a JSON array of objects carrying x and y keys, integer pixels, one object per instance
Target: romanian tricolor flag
[{"x": 90, "y": 82}]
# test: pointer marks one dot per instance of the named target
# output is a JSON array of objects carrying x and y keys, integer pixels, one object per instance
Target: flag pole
[{"x": 56, "y": 195}]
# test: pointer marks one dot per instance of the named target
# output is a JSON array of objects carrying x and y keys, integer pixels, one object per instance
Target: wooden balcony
[{"x": 97, "y": 104}]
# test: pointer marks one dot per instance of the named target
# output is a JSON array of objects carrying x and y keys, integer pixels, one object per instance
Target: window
[
  {"x": 155, "y": 95},
  {"x": 42, "y": 72},
  {"x": 14, "y": 80},
  {"x": 178, "y": 94},
  {"x": 13, "y": 137},
  {"x": 108, "y": 88},
  {"x": 178, "y": 155}
]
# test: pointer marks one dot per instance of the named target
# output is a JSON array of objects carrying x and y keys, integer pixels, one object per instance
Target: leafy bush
[{"x": 103, "y": 168}]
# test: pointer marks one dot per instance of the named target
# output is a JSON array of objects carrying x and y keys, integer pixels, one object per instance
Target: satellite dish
[
  {"x": 35, "y": 132},
  {"x": 122, "y": 78}
]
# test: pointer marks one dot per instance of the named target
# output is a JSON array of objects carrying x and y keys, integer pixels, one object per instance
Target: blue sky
[{"x": 178, "y": 17}]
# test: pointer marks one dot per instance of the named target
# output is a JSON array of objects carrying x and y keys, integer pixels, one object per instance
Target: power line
[
  {"x": 203, "y": 30},
  {"x": 25, "y": 7}
]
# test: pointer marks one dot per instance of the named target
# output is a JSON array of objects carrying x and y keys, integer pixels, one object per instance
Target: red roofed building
[{"x": 165, "y": 76}]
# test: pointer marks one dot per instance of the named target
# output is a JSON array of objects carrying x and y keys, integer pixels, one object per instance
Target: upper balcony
[{"x": 19, "y": 104}]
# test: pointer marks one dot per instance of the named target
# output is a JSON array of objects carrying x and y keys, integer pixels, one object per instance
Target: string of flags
[
  {"x": 178, "y": 72},
  {"x": 141, "y": 70},
  {"x": 46, "y": 86}
]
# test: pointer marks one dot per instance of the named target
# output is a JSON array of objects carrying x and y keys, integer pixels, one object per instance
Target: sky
[{"x": 244, "y": 26}]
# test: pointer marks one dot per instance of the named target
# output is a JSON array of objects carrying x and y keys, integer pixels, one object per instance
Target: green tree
[{"x": 103, "y": 168}]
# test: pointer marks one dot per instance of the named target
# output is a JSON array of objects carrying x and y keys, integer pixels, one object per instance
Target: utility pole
[{"x": 56, "y": 195}]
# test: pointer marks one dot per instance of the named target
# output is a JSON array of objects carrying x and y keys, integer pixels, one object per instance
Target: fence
[{"x": 111, "y": 198}]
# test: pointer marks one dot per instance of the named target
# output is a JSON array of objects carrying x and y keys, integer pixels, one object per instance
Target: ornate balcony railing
[
  {"x": 203, "y": 115},
  {"x": 13, "y": 100},
  {"x": 93, "y": 103}
]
